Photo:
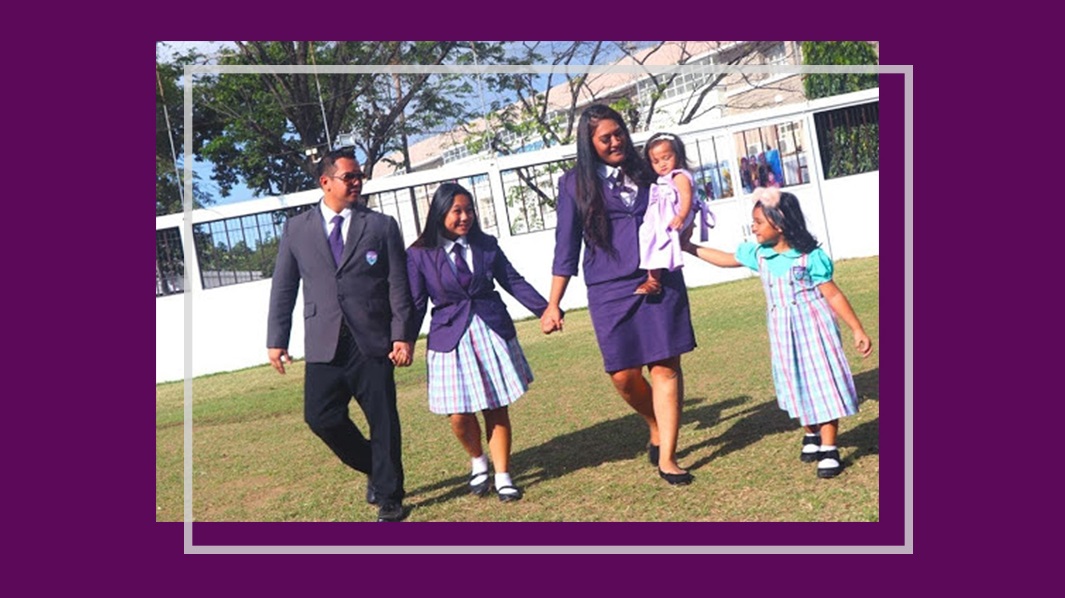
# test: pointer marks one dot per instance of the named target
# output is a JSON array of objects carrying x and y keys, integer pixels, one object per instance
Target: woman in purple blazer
[
  {"x": 601, "y": 204},
  {"x": 474, "y": 360}
]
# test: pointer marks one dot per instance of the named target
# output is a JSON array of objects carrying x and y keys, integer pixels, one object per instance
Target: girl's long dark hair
[
  {"x": 787, "y": 216},
  {"x": 589, "y": 199},
  {"x": 441, "y": 204}
]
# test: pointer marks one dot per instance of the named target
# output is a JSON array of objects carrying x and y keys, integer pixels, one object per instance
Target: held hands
[
  {"x": 278, "y": 357},
  {"x": 402, "y": 354},
  {"x": 551, "y": 320},
  {"x": 862, "y": 343}
]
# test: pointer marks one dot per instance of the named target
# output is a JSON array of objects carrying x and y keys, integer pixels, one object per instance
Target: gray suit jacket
[{"x": 369, "y": 289}]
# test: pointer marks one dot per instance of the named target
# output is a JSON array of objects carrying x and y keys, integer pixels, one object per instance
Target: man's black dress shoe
[{"x": 391, "y": 511}]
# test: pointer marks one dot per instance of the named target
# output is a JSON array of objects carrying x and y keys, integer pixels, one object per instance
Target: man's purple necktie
[
  {"x": 336, "y": 241},
  {"x": 462, "y": 270}
]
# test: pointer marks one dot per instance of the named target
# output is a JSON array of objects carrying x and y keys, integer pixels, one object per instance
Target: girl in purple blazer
[{"x": 473, "y": 357}]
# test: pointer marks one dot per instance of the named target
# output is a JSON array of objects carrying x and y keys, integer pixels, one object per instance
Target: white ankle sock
[
  {"x": 828, "y": 463},
  {"x": 503, "y": 479},
  {"x": 479, "y": 465}
]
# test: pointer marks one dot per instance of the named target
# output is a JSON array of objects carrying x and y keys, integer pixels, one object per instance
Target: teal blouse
[{"x": 818, "y": 264}]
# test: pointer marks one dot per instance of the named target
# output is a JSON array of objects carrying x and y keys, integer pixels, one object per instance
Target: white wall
[{"x": 852, "y": 215}]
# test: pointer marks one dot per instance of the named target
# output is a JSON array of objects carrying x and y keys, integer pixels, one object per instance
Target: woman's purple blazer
[{"x": 431, "y": 277}]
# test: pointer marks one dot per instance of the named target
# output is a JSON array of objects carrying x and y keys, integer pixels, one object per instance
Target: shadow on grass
[
  {"x": 754, "y": 423},
  {"x": 868, "y": 385},
  {"x": 765, "y": 419},
  {"x": 625, "y": 438},
  {"x": 619, "y": 439}
]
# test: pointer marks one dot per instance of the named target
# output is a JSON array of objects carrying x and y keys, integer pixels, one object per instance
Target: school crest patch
[
  {"x": 799, "y": 272},
  {"x": 371, "y": 257}
]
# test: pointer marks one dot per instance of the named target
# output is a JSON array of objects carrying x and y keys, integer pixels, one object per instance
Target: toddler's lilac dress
[{"x": 659, "y": 246}]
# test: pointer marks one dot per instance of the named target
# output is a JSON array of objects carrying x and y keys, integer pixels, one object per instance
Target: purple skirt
[{"x": 637, "y": 330}]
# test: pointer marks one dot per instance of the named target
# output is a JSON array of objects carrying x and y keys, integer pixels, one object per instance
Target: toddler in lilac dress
[{"x": 669, "y": 210}]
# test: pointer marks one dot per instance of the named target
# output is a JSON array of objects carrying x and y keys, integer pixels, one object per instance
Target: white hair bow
[{"x": 770, "y": 197}]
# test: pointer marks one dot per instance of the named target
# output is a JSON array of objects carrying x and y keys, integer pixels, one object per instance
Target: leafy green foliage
[
  {"x": 169, "y": 138},
  {"x": 855, "y": 150},
  {"x": 256, "y": 129},
  {"x": 824, "y": 85},
  {"x": 849, "y": 139}
]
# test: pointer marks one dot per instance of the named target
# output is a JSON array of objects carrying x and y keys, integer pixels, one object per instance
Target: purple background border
[{"x": 82, "y": 513}]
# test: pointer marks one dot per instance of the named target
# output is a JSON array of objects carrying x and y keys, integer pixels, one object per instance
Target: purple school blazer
[
  {"x": 431, "y": 276},
  {"x": 599, "y": 266}
]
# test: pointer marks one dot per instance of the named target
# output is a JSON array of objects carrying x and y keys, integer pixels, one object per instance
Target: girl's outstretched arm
[
  {"x": 839, "y": 304},
  {"x": 684, "y": 194},
  {"x": 707, "y": 254}
]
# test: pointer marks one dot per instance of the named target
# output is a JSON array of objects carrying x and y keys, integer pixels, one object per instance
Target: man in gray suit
[{"x": 357, "y": 313}]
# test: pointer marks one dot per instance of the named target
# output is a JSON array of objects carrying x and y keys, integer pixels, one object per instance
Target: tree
[
  {"x": 823, "y": 85},
  {"x": 170, "y": 136},
  {"x": 257, "y": 128}
]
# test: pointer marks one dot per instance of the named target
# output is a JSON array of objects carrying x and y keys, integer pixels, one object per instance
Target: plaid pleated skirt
[{"x": 482, "y": 372}]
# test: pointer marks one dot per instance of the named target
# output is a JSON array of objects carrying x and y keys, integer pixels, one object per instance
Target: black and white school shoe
[
  {"x": 829, "y": 464},
  {"x": 811, "y": 447}
]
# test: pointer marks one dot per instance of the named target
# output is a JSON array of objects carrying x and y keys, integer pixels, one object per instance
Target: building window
[
  {"x": 849, "y": 139},
  {"x": 455, "y": 153},
  {"x": 169, "y": 262},
  {"x": 410, "y": 205},
  {"x": 531, "y": 196},
  {"x": 775, "y": 54},
  {"x": 772, "y": 156},
  {"x": 713, "y": 175},
  {"x": 682, "y": 85},
  {"x": 241, "y": 249}
]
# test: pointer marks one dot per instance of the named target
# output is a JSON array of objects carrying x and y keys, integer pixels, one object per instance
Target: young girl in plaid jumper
[
  {"x": 473, "y": 357},
  {"x": 810, "y": 372}
]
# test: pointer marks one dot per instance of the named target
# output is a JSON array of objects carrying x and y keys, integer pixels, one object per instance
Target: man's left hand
[{"x": 402, "y": 354}]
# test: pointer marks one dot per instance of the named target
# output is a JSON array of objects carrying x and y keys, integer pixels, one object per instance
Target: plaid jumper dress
[{"x": 811, "y": 374}]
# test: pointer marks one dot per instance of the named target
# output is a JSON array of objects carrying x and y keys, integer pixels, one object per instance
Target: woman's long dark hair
[
  {"x": 787, "y": 216},
  {"x": 441, "y": 204},
  {"x": 589, "y": 199}
]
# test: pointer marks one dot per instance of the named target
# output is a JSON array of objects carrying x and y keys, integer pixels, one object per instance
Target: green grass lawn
[{"x": 578, "y": 450}]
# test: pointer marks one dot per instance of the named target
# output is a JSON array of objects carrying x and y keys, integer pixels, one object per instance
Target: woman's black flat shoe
[{"x": 676, "y": 479}]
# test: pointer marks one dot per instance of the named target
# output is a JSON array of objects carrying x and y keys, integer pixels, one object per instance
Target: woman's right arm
[
  {"x": 568, "y": 239},
  {"x": 552, "y": 318}
]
